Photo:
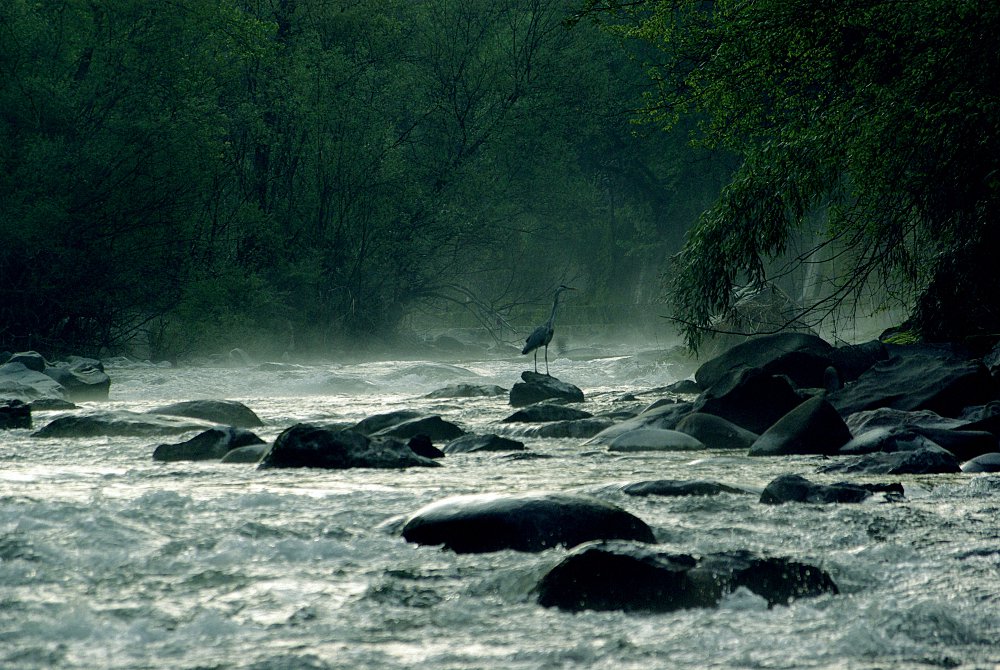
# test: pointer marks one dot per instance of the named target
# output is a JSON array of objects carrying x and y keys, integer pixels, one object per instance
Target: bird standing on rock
[{"x": 542, "y": 335}]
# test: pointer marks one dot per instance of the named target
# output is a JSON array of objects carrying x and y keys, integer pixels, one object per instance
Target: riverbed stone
[
  {"x": 926, "y": 378},
  {"x": 14, "y": 414},
  {"x": 578, "y": 429},
  {"x": 638, "y": 578},
  {"x": 83, "y": 379},
  {"x": 770, "y": 354},
  {"x": 546, "y": 411},
  {"x": 796, "y": 488},
  {"x": 528, "y": 522},
  {"x": 672, "y": 488},
  {"x": 886, "y": 417},
  {"x": 754, "y": 401},
  {"x": 224, "y": 412},
  {"x": 18, "y": 382},
  {"x": 468, "y": 391},
  {"x": 664, "y": 416},
  {"x": 537, "y": 387},
  {"x": 212, "y": 444},
  {"x": 923, "y": 461},
  {"x": 376, "y": 422},
  {"x": 489, "y": 442},
  {"x": 307, "y": 446},
  {"x": 434, "y": 427},
  {"x": 655, "y": 439},
  {"x": 983, "y": 463},
  {"x": 120, "y": 423},
  {"x": 715, "y": 432},
  {"x": 814, "y": 427}
]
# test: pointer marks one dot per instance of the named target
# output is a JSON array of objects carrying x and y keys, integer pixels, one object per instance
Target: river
[{"x": 111, "y": 560}]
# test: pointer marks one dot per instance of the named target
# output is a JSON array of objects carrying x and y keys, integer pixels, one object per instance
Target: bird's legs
[
  {"x": 536, "y": 361},
  {"x": 546, "y": 361}
]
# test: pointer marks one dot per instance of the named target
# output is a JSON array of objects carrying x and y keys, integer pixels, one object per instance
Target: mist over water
[{"x": 111, "y": 560}]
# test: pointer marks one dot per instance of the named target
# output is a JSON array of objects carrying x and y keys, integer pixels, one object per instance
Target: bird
[{"x": 541, "y": 336}]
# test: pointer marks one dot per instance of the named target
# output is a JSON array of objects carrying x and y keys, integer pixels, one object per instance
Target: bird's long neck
[{"x": 555, "y": 304}]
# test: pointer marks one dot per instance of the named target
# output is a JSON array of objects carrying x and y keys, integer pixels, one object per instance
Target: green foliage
[{"x": 883, "y": 115}]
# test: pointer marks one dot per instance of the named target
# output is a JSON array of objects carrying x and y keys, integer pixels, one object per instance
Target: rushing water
[{"x": 111, "y": 560}]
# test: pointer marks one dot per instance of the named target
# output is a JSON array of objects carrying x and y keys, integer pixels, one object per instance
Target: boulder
[
  {"x": 306, "y": 446},
  {"x": 984, "y": 463},
  {"x": 377, "y": 422},
  {"x": 887, "y": 440},
  {"x": 801, "y": 356},
  {"x": 546, "y": 411},
  {"x": 755, "y": 401},
  {"x": 655, "y": 439},
  {"x": 677, "y": 488},
  {"x": 18, "y": 382},
  {"x": 212, "y": 444},
  {"x": 120, "y": 423},
  {"x": 885, "y": 417},
  {"x": 963, "y": 444},
  {"x": 924, "y": 379},
  {"x": 636, "y": 578},
  {"x": 715, "y": 432},
  {"x": 83, "y": 379},
  {"x": 852, "y": 360},
  {"x": 468, "y": 391},
  {"x": 664, "y": 416},
  {"x": 685, "y": 387},
  {"x": 421, "y": 445},
  {"x": 225, "y": 412},
  {"x": 923, "y": 461},
  {"x": 579, "y": 429},
  {"x": 537, "y": 387},
  {"x": 32, "y": 360},
  {"x": 14, "y": 414},
  {"x": 795, "y": 488},
  {"x": 814, "y": 427},
  {"x": 489, "y": 442},
  {"x": 434, "y": 427},
  {"x": 529, "y": 522},
  {"x": 248, "y": 454}
]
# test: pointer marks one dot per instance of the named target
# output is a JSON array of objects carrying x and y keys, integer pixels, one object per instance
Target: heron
[{"x": 542, "y": 335}]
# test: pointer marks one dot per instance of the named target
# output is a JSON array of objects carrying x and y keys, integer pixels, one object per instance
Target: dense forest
[
  {"x": 299, "y": 175},
  {"x": 195, "y": 175}
]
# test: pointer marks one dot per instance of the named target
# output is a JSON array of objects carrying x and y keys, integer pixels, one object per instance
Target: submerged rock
[
  {"x": 468, "y": 391},
  {"x": 489, "y": 442},
  {"x": 543, "y": 412},
  {"x": 248, "y": 454},
  {"x": 814, "y": 427},
  {"x": 434, "y": 427},
  {"x": 638, "y": 578},
  {"x": 528, "y": 522},
  {"x": 655, "y": 439},
  {"x": 225, "y": 412},
  {"x": 984, "y": 463},
  {"x": 120, "y": 423},
  {"x": 677, "y": 488},
  {"x": 14, "y": 414},
  {"x": 924, "y": 461},
  {"x": 795, "y": 488},
  {"x": 307, "y": 446},
  {"x": 213, "y": 444}
]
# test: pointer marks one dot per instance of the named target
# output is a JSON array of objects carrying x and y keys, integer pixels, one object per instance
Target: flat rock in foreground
[
  {"x": 529, "y": 522},
  {"x": 538, "y": 387}
]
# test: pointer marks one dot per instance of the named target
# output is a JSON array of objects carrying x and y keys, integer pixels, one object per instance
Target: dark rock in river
[
  {"x": 18, "y": 382},
  {"x": 377, "y": 422},
  {"x": 120, "y": 423},
  {"x": 213, "y": 444},
  {"x": 225, "y": 412},
  {"x": 754, "y": 401},
  {"x": 306, "y": 446},
  {"x": 638, "y": 578},
  {"x": 434, "y": 427},
  {"x": 580, "y": 429},
  {"x": 795, "y": 488},
  {"x": 885, "y": 417},
  {"x": 14, "y": 414},
  {"x": 715, "y": 432},
  {"x": 923, "y": 461},
  {"x": 83, "y": 378},
  {"x": 984, "y": 463},
  {"x": 769, "y": 353},
  {"x": 546, "y": 411},
  {"x": 677, "y": 488},
  {"x": 663, "y": 416},
  {"x": 538, "y": 387},
  {"x": 527, "y": 522},
  {"x": 814, "y": 427},
  {"x": 655, "y": 439},
  {"x": 924, "y": 379},
  {"x": 963, "y": 444},
  {"x": 467, "y": 391},
  {"x": 490, "y": 442},
  {"x": 32, "y": 360},
  {"x": 685, "y": 387},
  {"x": 421, "y": 445}
]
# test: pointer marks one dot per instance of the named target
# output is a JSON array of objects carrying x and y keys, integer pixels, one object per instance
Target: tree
[{"x": 877, "y": 118}]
